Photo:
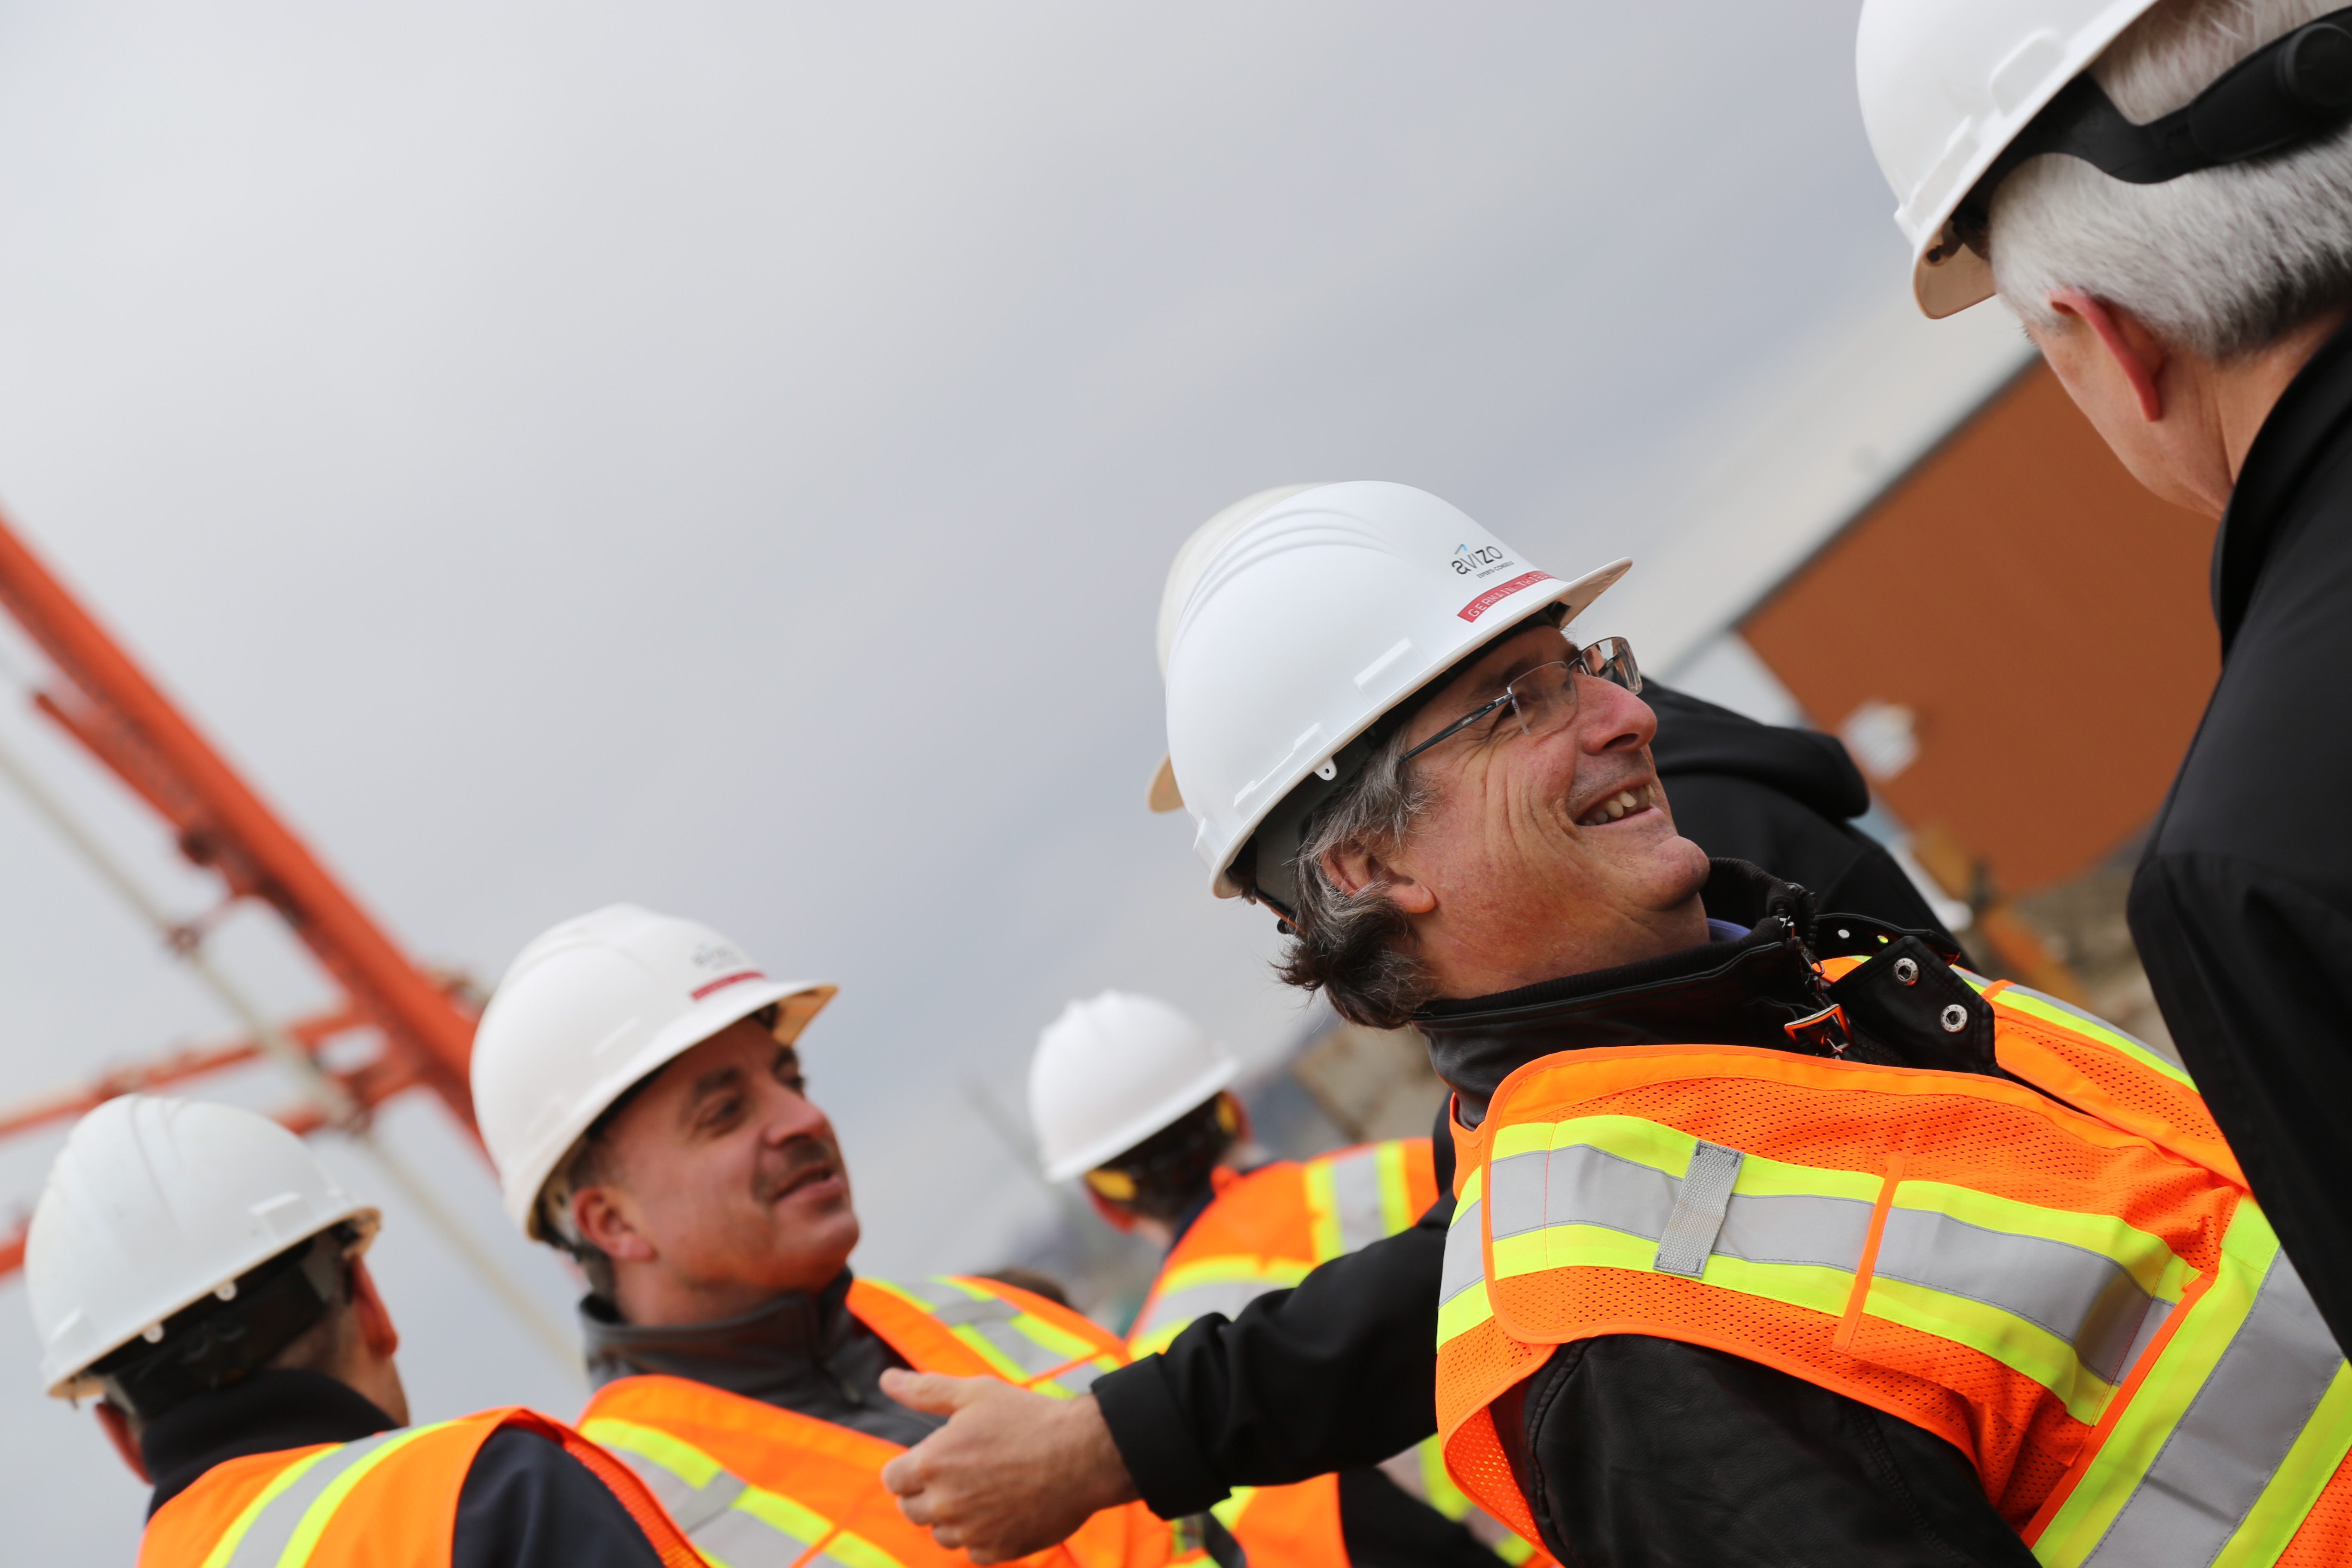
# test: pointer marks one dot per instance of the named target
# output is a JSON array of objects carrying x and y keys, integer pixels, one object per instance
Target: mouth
[
  {"x": 1634, "y": 802},
  {"x": 805, "y": 1178}
]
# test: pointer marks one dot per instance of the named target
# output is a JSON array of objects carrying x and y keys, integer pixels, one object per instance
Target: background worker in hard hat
[
  {"x": 2162, "y": 191},
  {"x": 1763, "y": 1215},
  {"x": 1128, "y": 1094},
  {"x": 197, "y": 1270},
  {"x": 639, "y": 1086}
]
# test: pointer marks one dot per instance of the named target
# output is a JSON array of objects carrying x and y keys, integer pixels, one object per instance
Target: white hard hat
[
  {"x": 1191, "y": 556},
  {"x": 1111, "y": 1071},
  {"x": 154, "y": 1204},
  {"x": 1945, "y": 86},
  {"x": 589, "y": 1008},
  {"x": 1313, "y": 618}
]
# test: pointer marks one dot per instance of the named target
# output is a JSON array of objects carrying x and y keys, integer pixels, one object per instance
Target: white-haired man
[{"x": 2162, "y": 191}]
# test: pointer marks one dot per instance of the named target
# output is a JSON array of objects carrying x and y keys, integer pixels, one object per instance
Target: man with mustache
[{"x": 638, "y": 1083}]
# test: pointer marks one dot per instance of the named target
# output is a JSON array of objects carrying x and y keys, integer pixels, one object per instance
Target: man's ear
[
  {"x": 117, "y": 1427},
  {"x": 2137, "y": 353},
  {"x": 603, "y": 1221},
  {"x": 1352, "y": 869},
  {"x": 376, "y": 1330}
]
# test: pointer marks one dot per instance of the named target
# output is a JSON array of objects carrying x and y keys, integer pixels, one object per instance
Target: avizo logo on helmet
[{"x": 1469, "y": 562}]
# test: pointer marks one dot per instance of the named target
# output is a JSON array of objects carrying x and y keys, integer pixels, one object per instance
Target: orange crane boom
[{"x": 101, "y": 698}]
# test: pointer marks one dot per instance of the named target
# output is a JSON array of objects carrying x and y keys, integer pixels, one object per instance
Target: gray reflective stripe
[
  {"x": 272, "y": 1530},
  {"x": 2083, "y": 1298},
  {"x": 1794, "y": 1228},
  {"x": 2228, "y": 1442},
  {"x": 1181, "y": 1307},
  {"x": 709, "y": 1518},
  {"x": 991, "y": 1317},
  {"x": 1699, "y": 1201},
  {"x": 1356, "y": 1193},
  {"x": 688, "y": 1506},
  {"x": 1465, "y": 1262}
]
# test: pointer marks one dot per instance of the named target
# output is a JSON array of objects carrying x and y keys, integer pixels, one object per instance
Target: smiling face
[
  {"x": 1543, "y": 856},
  {"x": 720, "y": 1186}
]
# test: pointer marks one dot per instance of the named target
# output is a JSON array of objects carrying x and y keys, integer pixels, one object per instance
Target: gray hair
[
  {"x": 1355, "y": 947},
  {"x": 2221, "y": 262}
]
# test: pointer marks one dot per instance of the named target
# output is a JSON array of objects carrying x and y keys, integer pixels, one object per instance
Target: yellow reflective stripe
[
  {"x": 1322, "y": 1210},
  {"x": 734, "y": 1512},
  {"x": 2296, "y": 1484},
  {"x": 969, "y": 1311},
  {"x": 687, "y": 1462},
  {"x": 225, "y": 1547},
  {"x": 2049, "y": 1009},
  {"x": 1462, "y": 1303},
  {"x": 1223, "y": 1283},
  {"x": 314, "y": 1519},
  {"x": 2172, "y": 1381},
  {"x": 1236, "y": 1502}
]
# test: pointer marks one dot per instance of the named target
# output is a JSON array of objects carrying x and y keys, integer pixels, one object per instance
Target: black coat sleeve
[
  {"x": 528, "y": 1504},
  {"x": 2249, "y": 967},
  {"x": 1652, "y": 1452},
  {"x": 1336, "y": 1373}
]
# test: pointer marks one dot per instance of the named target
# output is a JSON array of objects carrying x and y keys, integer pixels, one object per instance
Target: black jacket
[
  {"x": 525, "y": 1503},
  {"x": 1631, "y": 1449},
  {"x": 2243, "y": 906}
]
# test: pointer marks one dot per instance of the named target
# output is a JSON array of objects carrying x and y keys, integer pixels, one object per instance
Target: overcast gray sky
[{"x": 724, "y": 457}]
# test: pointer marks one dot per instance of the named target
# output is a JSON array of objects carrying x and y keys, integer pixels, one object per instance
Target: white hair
[{"x": 2221, "y": 262}]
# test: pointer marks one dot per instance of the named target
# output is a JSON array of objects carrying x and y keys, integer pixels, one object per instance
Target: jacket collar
[
  {"x": 2301, "y": 432},
  {"x": 795, "y": 1329},
  {"x": 1726, "y": 993},
  {"x": 1742, "y": 992},
  {"x": 260, "y": 1413}
]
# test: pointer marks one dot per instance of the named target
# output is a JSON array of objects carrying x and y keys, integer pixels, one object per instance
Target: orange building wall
[{"x": 2044, "y": 618}]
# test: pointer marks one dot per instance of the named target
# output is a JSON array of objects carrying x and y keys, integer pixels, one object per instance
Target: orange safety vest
[
  {"x": 2074, "y": 1291},
  {"x": 1266, "y": 1231},
  {"x": 386, "y": 1501},
  {"x": 755, "y": 1486}
]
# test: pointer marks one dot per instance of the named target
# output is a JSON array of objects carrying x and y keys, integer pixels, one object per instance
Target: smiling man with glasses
[{"x": 1777, "y": 1238}]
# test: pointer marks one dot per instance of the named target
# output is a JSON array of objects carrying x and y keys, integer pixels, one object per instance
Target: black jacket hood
[{"x": 1697, "y": 736}]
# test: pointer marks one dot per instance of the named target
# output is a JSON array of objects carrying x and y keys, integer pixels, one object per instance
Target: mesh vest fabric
[
  {"x": 755, "y": 1486},
  {"x": 386, "y": 1501},
  {"x": 2080, "y": 1297}
]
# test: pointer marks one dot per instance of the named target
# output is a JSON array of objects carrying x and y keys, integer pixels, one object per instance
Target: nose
[
  {"x": 789, "y": 1114},
  {"x": 1611, "y": 718}
]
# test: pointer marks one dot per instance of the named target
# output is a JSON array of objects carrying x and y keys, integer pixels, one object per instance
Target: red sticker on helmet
[
  {"x": 724, "y": 980},
  {"x": 1495, "y": 595}
]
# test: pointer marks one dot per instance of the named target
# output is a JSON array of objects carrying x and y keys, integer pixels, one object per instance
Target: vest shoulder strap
[
  {"x": 964, "y": 1326},
  {"x": 755, "y": 1484},
  {"x": 2091, "y": 1065},
  {"x": 390, "y": 1497}
]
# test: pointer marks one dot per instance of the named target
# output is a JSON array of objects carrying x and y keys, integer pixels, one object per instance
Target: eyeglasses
[{"x": 1543, "y": 700}]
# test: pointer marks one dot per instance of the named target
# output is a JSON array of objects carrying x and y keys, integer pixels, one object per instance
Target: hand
[{"x": 1011, "y": 1473}]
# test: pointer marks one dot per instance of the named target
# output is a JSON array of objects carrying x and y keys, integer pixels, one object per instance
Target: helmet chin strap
[{"x": 2285, "y": 93}]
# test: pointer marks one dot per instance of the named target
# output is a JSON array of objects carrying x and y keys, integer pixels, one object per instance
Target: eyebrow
[{"x": 711, "y": 1083}]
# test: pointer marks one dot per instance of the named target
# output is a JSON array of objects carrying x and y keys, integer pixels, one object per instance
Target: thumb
[{"x": 932, "y": 1392}]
